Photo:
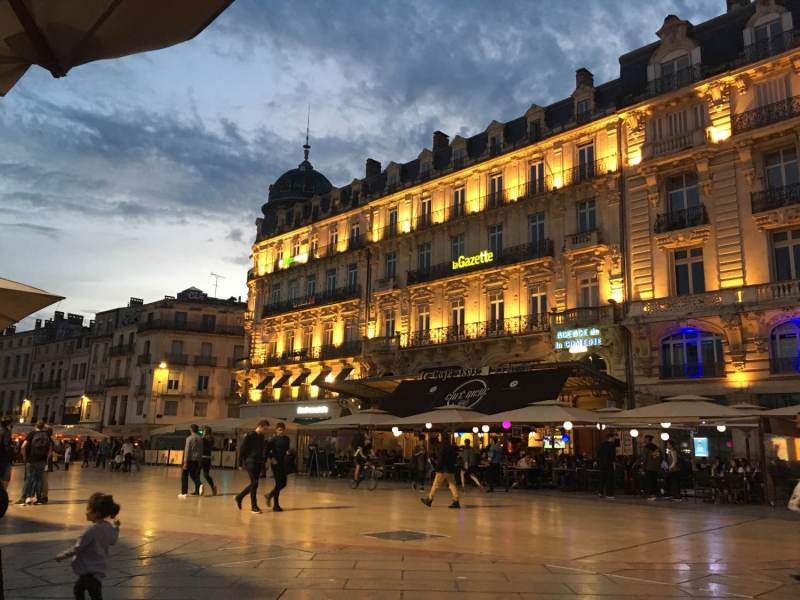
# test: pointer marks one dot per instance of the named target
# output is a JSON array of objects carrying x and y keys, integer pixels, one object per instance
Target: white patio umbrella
[
  {"x": 548, "y": 412},
  {"x": 370, "y": 417},
  {"x": 77, "y": 431},
  {"x": 679, "y": 409},
  {"x": 446, "y": 415},
  {"x": 786, "y": 411},
  {"x": 18, "y": 300}
]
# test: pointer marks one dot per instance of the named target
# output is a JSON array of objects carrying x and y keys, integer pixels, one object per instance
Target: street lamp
[{"x": 162, "y": 366}]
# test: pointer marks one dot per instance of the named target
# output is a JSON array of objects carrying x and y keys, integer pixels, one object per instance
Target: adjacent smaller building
[{"x": 16, "y": 349}]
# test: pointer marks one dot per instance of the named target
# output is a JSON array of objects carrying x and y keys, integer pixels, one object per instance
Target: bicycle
[{"x": 371, "y": 474}]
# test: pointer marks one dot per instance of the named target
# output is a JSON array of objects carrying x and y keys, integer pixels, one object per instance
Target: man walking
[
  {"x": 446, "y": 459},
  {"x": 127, "y": 454},
  {"x": 652, "y": 466},
  {"x": 277, "y": 447},
  {"x": 495, "y": 470},
  {"x": 192, "y": 455},
  {"x": 251, "y": 457},
  {"x": 35, "y": 452},
  {"x": 606, "y": 457}
]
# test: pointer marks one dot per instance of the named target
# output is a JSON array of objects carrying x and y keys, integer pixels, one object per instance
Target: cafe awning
[
  {"x": 282, "y": 381},
  {"x": 548, "y": 412},
  {"x": 342, "y": 375},
  {"x": 301, "y": 379},
  {"x": 370, "y": 389},
  {"x": 265, "y": 382},
  {"x": 678, "y": 409},
  {"x": 446, "y": 415},
  {"x": 371, "y": 417},
  {"x": 18, "y": 300},
  {"x": 321, "y": 377},
  {"x": 786, "y": 411}
]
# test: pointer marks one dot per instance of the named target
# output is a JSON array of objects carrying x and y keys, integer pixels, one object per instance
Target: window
[
  {"x": 494, "y": 145},
  {"x": 538, "y": 305},
  {"x": 313, "y": 249},
  {"x": 586, "y": 216},
  {"x": 202, "y": 383},
  {"x": 295, "y": 246},
  {"x": 424, "y": 212},
  {"x": 495, "y": 190},
  {"x": 671, "y": 125},
  {"x": 279, "y": 255},
  {"x": 390, "y": 265},
  {"x": 682, "y": 194},
  {"x": 275, "y": 294},
  {"x": 459, "y": 203},
  {"x": 768, "y": 39},
  {"x": 456, "y": 246},
  {"x": 786, "y": 254},
  {"x": 457, "y": 316},
  {"x": 355, "y": 232},
  {"x": 350, "y": 330},
  {"x": 496, "y": 310},
  {"x": 689, "y": 272},
  {"x": 173, "y": 381},
  {"x": 123, "y": 410},
  {"x": 692, "y": 353},
  {"x": 459, "y": 157},
  {"x": 496, "y": 238},
  {"x": 675, "y": 73},
  {"x": 176, "y": 349},
  {"x": 327, "y": 334},
  {"x": 423, "y": 318},
  {"x": 206, "y": 349},
  {"x": 588, "y": 290},
  {"x": 294, "y": 289},
  {"x": 536, "y": 178},
  {"x": 785, "y": 348},
  {"x": 333, "y": 238},
  {"x": 424, "y": 257},
  {"x": 388, "y": 323},
  {"x": 781, "y": 168},
  {"x": 330, "y": 280},
  {"x": 289, "y": 342},
  {"x": 582, "y": 110},
  {"x": 586, "y": 162},
  {"x": 311, "y": 286},
  {"x": 536, "y": 229},
  {"x": 773, "y": 91},
  {"x": 180, "y": 319},
  {"x": 392, "y": 227},
  {"x": 200, "y": 409},
  {"x": 308, "y": 338},
  {"x": 352, "y": 276},
  {"x": 171, "y": 408}
]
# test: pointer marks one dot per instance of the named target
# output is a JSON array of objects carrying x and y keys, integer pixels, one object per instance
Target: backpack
[{"x": 40, "y": 445}]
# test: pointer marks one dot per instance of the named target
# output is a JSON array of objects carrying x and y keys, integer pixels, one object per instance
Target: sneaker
[
  {"x": 256, "y": 510},
  {"x": 651, "y": 499},
  {"x": 611, "y": 497},
  {"x": 455, "y": 504},
  {"x": 202, "y": 489},
  {"x": 43, "y": 500},
  {"x": 277, "y": 508},
  {"x": 426, "y": 501},
  {"x": 238, "y": 502},
  {"x": 182, "y": 496}
]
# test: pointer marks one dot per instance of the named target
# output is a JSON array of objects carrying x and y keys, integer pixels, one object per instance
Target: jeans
[
  {"x": 607, "y": 481},
  {"x": 279, "y": 473},
  {"x": 88, "y": 583},
  {"x": 441, "y": 478},
  {"x": 674, "y": 483},
  {"x": 652, "y": 482},
  {"x": 206, "y": 466},
  {"x": 128, "y": 460},
  {"x": 192, "y": 470},
  {"x": 34, "y": 480},
  {"x": 254, "y": 472},
  {"x": 493, "y": 474}
]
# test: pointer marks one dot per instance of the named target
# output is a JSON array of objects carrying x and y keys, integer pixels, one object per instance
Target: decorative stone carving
[
  {"x": 781, "y": 217},
  {"x": 683, "y": 304},
  {"x": 683, "y": 238}
]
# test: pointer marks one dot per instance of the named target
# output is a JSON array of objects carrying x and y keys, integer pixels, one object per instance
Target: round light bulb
[
  {"x": 721, "y": 428},
  {"x": 475, "y": 430},
  {"x": 634, "y": 433},
  {"x": 428, "y": 425},
  {"x": 598, "y": 426},
  {"x": 664, "y": 436},
  {"x": 603, "y": 426},
  {"x": 567, "y": 425},
  {"x": 397, "y": 433},
  {"x": 485, "y": 428},
  {"x": 666, "y": 424},
  {"x": 395, "y": 429}
]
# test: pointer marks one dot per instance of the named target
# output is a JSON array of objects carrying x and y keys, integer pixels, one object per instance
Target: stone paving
[{"x": 329, "y": 543}]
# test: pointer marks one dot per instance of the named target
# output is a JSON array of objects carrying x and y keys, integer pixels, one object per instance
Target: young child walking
[{"x": 90, "y": 552}]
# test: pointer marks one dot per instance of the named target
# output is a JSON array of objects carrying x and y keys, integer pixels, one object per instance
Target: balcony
[
  {"x": 584, "y": 316},
  {"x": 692, "y": 371},
  {"x": 582, "y": 240},
  {"x": 766, "y": 115},
  {"x": 95, "y": 388},
  {"x": 167, "y": 325},
  {"x": 118, "y": 382},
  {"x": 775, "y": 197},
  {"x": 326, "y": 352},
  {"x": 511, "y": 326},
  {"x": 143, "y": 359},
  {"x": 770, "y": 47},
  {"x": 674, "y": 81},
  {"x": 779, "y": 292},
  {"x": 52, "y": 384},
  {"x": 673, "y": 144},
  {"x": 205, "y": 361},
  {"x": 784, "y": 365},
  {"x": 328, "y": 297},
  {"x": 506, "y": 256},
  {"x": 681, "y": 219},
  {"x": 176, "y": 359},
  {"x": 423, "y": 220},
  {"x": 122, "y": 349}
]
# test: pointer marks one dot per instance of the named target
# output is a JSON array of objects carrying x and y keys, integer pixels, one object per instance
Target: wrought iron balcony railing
[
  {"x": 118, "y": 382},
  {"x": 583, "y": 315},
  {"x": 52, "y": 384},
  {"x": 692, "y": 371},
  {"x": 674, "y": 81},
  {"x": 770, "y": 47},
  {"x": 325, "y": 352},
  {"x": 173, "y": 358},
  {"x": 215, "y": 329},
  {"x": 327, "y": 297},
  {"x": 775, "y": 197},
  {"x": 681, "y": 219},
  {"x": 520, "y": 325},
  {"x": 205, "y": 361},
  {"x": 766, "y": 115},
  {"x": 122, "y": 349},
  {"x": 784, "y": 364}
]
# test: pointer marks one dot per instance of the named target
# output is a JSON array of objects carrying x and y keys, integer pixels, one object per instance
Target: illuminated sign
[
  {"x": 577, "y": 340},
  {"x": 701, "y": 447},
  {"x": 468, "y": 394},
  {"x": 299, "y": 258},
  {"x": 312, "y": 410},
  {"x": 483, "y": 257}
]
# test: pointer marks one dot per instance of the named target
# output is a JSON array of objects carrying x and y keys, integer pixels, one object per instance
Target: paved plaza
[{"x": 334, "y": 542}]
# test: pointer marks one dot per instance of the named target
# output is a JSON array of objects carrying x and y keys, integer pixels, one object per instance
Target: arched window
[
  {"x": 692, "y": 353},
  {"x": 785, "y": 348}
]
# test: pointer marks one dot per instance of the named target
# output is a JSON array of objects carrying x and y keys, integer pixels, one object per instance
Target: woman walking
[{"x": 205, "y": 462}]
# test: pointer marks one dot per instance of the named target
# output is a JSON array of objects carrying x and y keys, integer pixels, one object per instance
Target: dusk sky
[{"x": 141, "y": 176}]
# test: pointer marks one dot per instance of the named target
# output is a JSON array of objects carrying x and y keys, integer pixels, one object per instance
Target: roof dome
[{"x": 301, "y": 183}]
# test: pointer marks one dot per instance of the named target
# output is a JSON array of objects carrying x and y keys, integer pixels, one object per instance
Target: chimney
[
  {"x": 737, "y": 4},
  {"x": 373, "y": 167},
  {"x": 583, "y": 76},
  {"x": 440, "y": 141},
  {"x": 59, "y": 316},
  {"x": 38, "y": 324}
]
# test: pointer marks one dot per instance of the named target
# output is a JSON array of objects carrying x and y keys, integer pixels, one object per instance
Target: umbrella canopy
[
  {"x": 371, "y": 417},
  {"x": 549, "y": 411},
  {"x": 679, "y": 409},
  {"x": 446, "y": 415},
  {"x": 786, "y": 411},
  {"x": 226, "y": 425},
  {"x": 67, "y": 33},
  {"x": 77, "y": 431},
  {"x": 18, "y": 300}
]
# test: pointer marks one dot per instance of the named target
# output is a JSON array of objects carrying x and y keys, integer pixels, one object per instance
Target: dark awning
[
  {"x": 370, "y": 389},
  {"x": 301, "y": 379},
  {"x": 282, "y": 381},
  {"x": 321, "y": 377},
  {"x": 265, "y": 382},
  {"x": 488, "y": 394},
  {"x": 343, "y": 374}
]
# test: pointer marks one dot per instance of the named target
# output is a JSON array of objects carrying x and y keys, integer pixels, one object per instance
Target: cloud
[
  {"x": 33, "y": 228},
  {"x": 235, "y": 235},
  {"x": 239, "y": 260}
]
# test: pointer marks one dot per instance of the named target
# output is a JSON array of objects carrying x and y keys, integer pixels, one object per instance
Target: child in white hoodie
[{"x": 90, "y": 553}]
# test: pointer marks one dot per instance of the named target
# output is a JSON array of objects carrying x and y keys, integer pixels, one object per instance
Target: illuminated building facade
[
  {"x": 16, "y": 350},
  {"x": 644, "y": 225}
]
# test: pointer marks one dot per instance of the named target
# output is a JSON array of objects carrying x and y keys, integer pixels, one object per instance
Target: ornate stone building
[{"x": 644, "y": 226}]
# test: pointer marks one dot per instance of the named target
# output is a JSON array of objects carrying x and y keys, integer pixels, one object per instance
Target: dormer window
[
  {"x": 583, "y": 110},
  {"x": 494, "y": 145},
  {"x": 459, "y": 157},
  {"x": 675, "y": 73},
  {"x": 535, "y": 129},
  {"x": 769, "y": 39}
]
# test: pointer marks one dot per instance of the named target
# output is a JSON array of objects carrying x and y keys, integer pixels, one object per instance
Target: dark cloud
[
  {"x": 235, "y": 235},
  {"x": 244, "y": 259},
  {"x": 33, "y": 228}
]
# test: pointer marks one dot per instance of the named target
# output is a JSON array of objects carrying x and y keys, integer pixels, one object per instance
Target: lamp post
[{"x": 158, "y": 381}]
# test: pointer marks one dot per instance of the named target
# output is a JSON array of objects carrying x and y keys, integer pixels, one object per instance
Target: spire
[{"x": 306, "y": 146}]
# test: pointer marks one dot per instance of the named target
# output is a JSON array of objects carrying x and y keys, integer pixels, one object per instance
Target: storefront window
[
  {"x": 785, "y": 348},
  {"x": 692, "y": 353}
]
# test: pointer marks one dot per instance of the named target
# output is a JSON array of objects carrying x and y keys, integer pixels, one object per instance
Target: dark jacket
[
  {"x": 606, "y": 455},
  {"x": 446, "y": 458},
  {"x": 251, "y": 452},
  {"x": 277, "y": 447},
  {"x": 6, "y": 449},
  {"x": 652, "y": 458},
  {"x": 208, "y": 447}
]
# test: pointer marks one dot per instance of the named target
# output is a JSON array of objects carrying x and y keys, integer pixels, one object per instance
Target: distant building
[{"x": 16, "y": 351}]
